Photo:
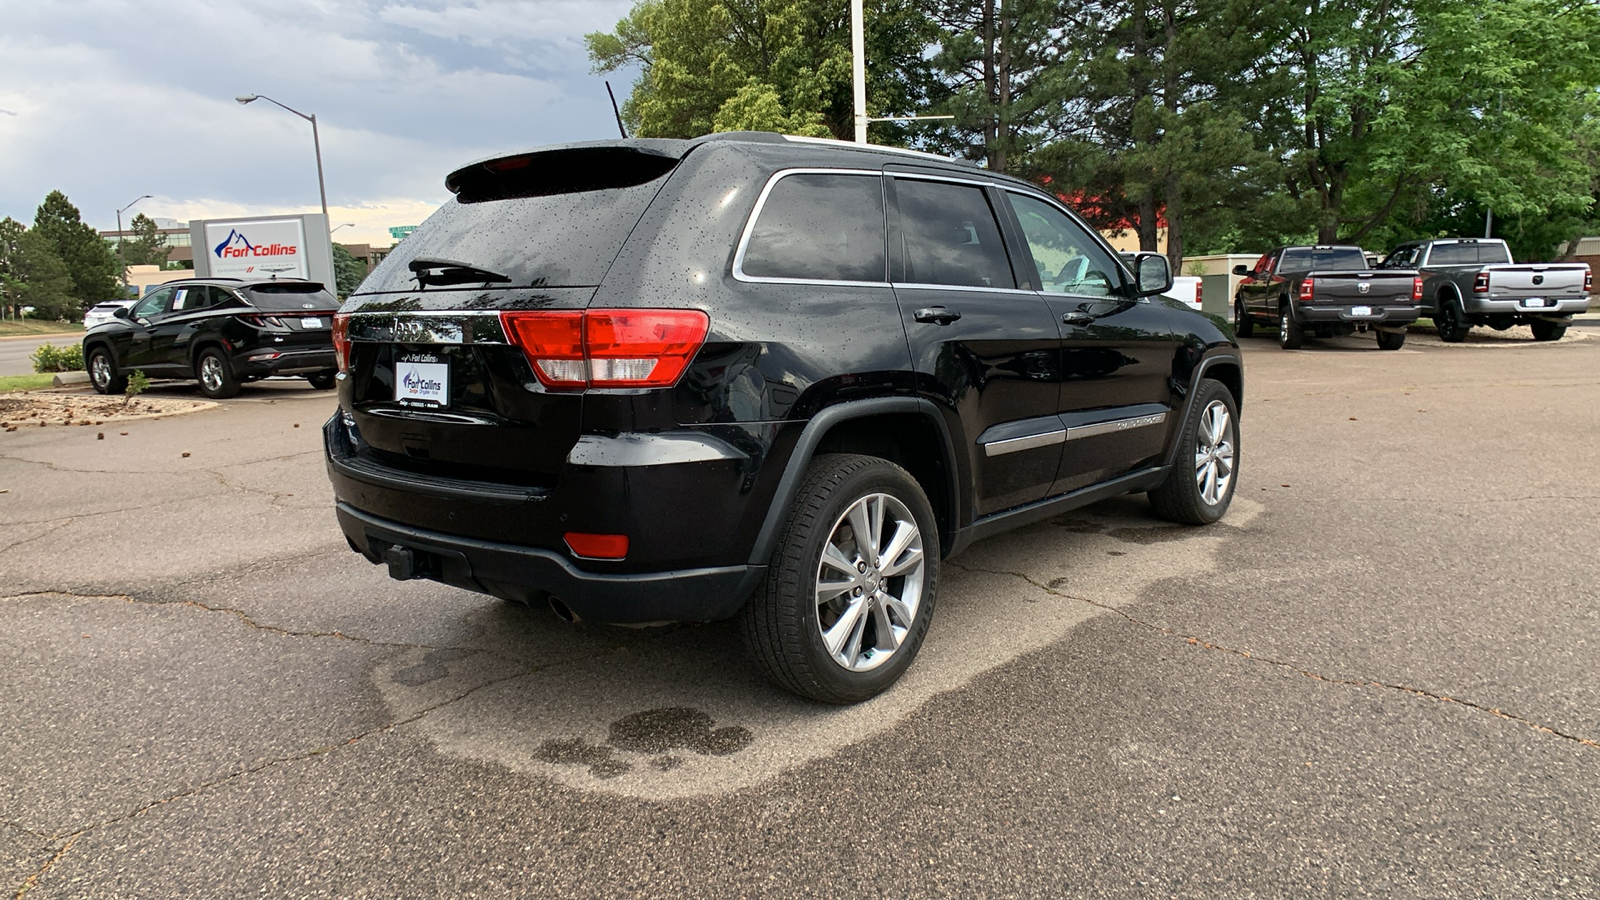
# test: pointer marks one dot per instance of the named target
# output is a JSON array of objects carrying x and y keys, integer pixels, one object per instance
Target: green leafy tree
[
  {"x": 32, "y": 275},
  {"x": 147, "y": 246},
  {"x": 90, "y": 263},
  {"x": 778, "y": 65},
  {"x": 347, "y": 271}
]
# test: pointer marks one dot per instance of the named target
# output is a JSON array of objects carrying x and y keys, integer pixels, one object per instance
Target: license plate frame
[
  {"x": 311, "y": 322},
  {"x": 422, "y": 380},
  {"x": 1364, "y": 312}
]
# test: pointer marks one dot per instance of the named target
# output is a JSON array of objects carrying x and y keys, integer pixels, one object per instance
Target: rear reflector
[
  {"x": 597, "y": 546},
  {"x": 341, "y": 340},
  {"x": 608, "y": 348}
]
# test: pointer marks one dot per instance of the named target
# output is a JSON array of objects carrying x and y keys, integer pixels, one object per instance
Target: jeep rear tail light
[
  {"x": 1308, "y": 289},
  {"x": 608, "y": 348},
  {"x": 1416, "y": 288},
  {"x": 341, "y": 340},
  {"x": 1480, "y": 285}
]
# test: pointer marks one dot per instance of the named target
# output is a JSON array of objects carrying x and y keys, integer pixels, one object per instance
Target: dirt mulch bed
[{"x": 40, "y": 408}]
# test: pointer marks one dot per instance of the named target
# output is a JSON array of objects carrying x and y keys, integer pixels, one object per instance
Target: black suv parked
[
  {"x": 222, "y": 331},
  {"x": 750, "y": 375}
]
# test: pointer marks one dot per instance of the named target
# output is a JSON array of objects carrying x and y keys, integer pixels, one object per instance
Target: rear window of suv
[
  {"x": 557, "y": 220},
  {"x": 290, "y": 296}
]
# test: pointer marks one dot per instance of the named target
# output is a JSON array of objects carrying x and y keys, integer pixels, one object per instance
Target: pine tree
[
  {"x": 147, "y": 246},
  {"x": 90, "y": 263}
]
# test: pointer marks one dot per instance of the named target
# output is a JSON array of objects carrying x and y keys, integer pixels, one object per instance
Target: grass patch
[
  {"x": 14, "y": 327},
  {"x": 10, "y": 383}
]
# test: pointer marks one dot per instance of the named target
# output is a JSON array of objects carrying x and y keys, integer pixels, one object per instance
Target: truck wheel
[
  {"x": 850, "y": 589},
  {"x": 323, "y": 381},
  {"x": 1200, "y": 486},
  {"x": 217, "y": 380},
  {"x": 103, "y": 372},
  {"x": 1391, "y": 340},
  {"x": 1290, "y": 335},
  {"x": 1544, "y": 330},
  {"x": 1451, "y": 321},
  {"x": 1243, "y": 326}
]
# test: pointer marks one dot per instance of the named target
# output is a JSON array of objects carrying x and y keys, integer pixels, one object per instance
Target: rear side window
[
  {"x": 819, "y": 227},
  {"x": 950, "y": 236}
]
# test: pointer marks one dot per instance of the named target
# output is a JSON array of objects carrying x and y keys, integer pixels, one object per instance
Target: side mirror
[
  {"x": 1242, "y": 269},
  {"x": 1154, "y": 273},
  {"x": 122, "y": 312}
]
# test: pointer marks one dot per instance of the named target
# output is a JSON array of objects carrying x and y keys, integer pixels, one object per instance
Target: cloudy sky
[{"x": 106, "y": 100}]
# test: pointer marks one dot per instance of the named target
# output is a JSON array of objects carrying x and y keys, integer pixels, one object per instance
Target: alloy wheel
[
  {"x": 100, "y": 370},
  {"x": 211, "y": 373},
  {"x": 1213, "y": 453},
  {"x": 869, "y": 583}
]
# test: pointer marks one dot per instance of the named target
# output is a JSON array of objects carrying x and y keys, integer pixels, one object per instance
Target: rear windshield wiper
[{"x": 448, "y": 271}]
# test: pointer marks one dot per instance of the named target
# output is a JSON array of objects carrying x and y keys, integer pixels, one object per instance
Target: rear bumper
[
  {"x": 529, "y": 575},
  {"x": 269, "y": 361},
  {"x": 1482, "y": 306},
  {"x": 654, "y": 587},
  {"x": 1378, "y": 314}
]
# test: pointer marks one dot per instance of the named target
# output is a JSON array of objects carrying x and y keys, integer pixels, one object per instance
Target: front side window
[
  {"x": 1068, "y": 259},
  {"x": 153, "y": 304},
  {"x": 950, "y": 235},
  {"x": 819, "y": 227}
]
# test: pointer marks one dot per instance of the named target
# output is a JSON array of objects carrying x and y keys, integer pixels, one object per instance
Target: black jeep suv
[
  {"x": 222, "y": 331},
  {"x": 757, "y": 376}
]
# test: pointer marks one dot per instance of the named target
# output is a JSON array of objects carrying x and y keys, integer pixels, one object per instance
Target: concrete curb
[{"x": 65, "y": 379}]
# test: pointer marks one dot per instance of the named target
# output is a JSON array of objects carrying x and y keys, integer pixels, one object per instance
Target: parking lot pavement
[{"x": 1375, "y": 676}]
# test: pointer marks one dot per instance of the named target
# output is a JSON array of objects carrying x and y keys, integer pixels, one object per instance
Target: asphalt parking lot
[{"x": 1376, "y": 677}]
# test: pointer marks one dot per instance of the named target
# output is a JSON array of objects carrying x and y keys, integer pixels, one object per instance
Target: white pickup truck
[{"x": 1472, "y": 281}]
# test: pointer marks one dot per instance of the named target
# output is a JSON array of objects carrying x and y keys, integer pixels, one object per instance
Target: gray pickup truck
[
  {"x": 1325, "y": 291},
  {"x": 1472, "y": 281}
]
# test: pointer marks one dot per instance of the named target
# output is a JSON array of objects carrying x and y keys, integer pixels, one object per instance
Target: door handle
[
  {"x": 1077, "y": 317},
  {"x": 936, "y": 314}
]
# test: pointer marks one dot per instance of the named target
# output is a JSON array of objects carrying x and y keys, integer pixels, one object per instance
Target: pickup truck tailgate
[
  {"x": 1344, "y": 288},
  {"x": 1555, "y": 281}
]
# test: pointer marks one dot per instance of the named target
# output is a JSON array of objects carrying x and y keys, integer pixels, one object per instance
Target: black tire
[
  {"x": 217, "y": 380},
  {"x": 1391, "y": 340},
  {"x": 323, "y": 381},
  {"x": 1544, "y": 330},
  {"x": 103, "y": 372},
  {"x": 1194, "y": 492},
  {"x": 784, "y": 622},
  {"x": 1451, "y": 320},
  {"x": 1290, "y": 335},
  {"x": 1243, "y": 325}
]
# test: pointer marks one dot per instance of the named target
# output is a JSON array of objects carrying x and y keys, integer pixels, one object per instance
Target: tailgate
[
  {"x": 1350, "y": 288},
  {"x": 1556, "y": 280}
]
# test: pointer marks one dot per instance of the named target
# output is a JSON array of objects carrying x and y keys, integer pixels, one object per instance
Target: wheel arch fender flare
[
  {"x": 1231, "y": 373},
  {"x": 817, "y": 428}
]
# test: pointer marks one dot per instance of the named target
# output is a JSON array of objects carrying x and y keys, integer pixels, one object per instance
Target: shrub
[{"x": 50, "y": 358}]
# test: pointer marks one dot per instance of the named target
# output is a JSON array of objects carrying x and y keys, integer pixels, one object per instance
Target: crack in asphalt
[
  {"x": 111, "y": 512},
  {"x": 1195, "y": 641},
  {"x": 44, "y": 534},
  {"x": 250, "y": 622},
  {"x": 72, "y": 838},
  {"x": 273, "y": 497}
]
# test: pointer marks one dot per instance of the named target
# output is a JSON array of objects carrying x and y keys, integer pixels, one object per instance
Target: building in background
[
  {"x": 367, "y": 254},
  {"x": 179, "y": 246}
]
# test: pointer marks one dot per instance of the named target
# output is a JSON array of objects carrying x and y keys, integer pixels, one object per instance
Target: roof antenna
[{"x": 616, "y": 112}]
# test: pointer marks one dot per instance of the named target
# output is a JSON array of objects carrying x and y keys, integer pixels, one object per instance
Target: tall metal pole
[
  {"x": 316, "y": 141},
  {"x": 858, "y": 51},
  {"x": 122, "y": 256}
]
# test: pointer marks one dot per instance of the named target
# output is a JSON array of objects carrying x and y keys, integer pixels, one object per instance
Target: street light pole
[
  {"x": 316, "y": 141},
  {"x": 122, "y": 257}
]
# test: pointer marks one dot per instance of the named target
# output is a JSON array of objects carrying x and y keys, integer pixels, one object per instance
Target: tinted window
[
  {"x": 820, "y": 227},
  {"x": 1326, "y": 259},
  {"x": 1069, "y": 260},
  {"x": 1403, "y": 258},
  {"x": 950, "y": 236},
  {"x": 1453, "y": 255},
  {"x": 559, "y": 240},
  {"x": 188, "y": 299},
  {"x": 291, "y": 296}
]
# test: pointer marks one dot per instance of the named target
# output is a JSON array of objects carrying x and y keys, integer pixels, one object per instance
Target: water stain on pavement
[
  {"x": 652, "y": 732},
  {"x": 433, "y": 667}
]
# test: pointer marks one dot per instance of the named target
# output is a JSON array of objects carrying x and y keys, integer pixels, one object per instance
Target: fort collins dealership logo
[{"x": 236, "y": 246}]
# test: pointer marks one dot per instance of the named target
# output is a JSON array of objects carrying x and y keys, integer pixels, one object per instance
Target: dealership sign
[{"x": 257, "y": 248}]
